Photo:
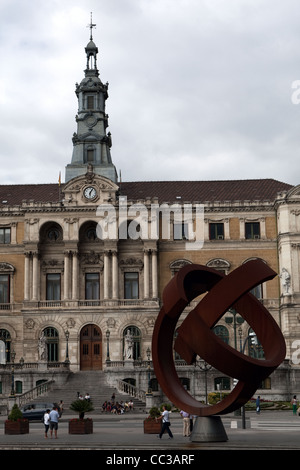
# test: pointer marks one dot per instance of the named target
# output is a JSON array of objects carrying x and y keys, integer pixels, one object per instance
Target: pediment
[
  {"x": 78, "y": 190},
  {"x": 294, "y": 193}
]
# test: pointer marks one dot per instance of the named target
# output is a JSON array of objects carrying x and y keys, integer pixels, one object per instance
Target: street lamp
[
  {"x": 236, "y": 319},
  {"x": 12, "y": 393},
  {"x": 107, "y": 334},
  {"x": 205, "y": 368},
  {"x": 67, "y": 334}
]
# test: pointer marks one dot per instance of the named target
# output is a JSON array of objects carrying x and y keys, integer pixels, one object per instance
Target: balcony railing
[
  {"x": 5, "y": 306},
  {"x": 54, "y": 304}
]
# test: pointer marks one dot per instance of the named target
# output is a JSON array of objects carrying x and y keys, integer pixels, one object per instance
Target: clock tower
[{"x": 91, "y": 142}]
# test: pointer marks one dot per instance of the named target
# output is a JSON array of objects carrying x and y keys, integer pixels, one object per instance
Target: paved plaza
[{"x": 278, "y": 430}]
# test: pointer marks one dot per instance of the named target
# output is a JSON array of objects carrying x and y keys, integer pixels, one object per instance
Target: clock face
[{"x": 90, "y": 192}]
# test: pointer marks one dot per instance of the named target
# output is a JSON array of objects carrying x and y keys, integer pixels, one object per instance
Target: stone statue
[
  {"x": 128, "y": 346},
  {"x": 43, "y": 356},
  {"x": 285, "y": 280}
]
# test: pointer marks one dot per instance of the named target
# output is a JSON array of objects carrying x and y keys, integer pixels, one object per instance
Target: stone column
[
  {"x": 27, "y": 277},
  {"x": 66, "y": 274},
  {"x": 146, "y": 274},
  {"x": 115, "y": 275},
  {"x": 35, "y": 276},
  {"x": 154, "y": 275},
  {"x": 106, "y": 277},
  {"x": 75, "y": 275}
]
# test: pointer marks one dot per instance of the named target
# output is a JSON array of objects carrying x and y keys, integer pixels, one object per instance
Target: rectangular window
[
  {"x": 181, "y": 231},
  {"x": 216, "y": 231},
  {"x": 92, "y": 286},
  {"x": 4, "y": 235},
  {"x": 53, "y": 286},
  {"x": 131, "y": 287},
  {"x": 4, "y": 289},
  {"x": 90, "y": 102},
  {"x": 90, "y": 155},
  {"x": 257, "y": 291},
  {"x": 252, "y": 230}
]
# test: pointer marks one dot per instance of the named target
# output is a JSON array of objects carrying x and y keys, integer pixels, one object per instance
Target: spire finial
[{"x": 91, "y": 26}]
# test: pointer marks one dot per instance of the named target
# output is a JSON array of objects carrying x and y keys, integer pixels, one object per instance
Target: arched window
[
  {"x": 222, "y": 332},
  {"x": 135, "y": 334},
  {"x": 52, "y": 341},
  {"x": 5, "y": 346}
]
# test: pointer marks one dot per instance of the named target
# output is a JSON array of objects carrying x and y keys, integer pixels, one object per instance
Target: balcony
[{"x": 90, "y": 304}]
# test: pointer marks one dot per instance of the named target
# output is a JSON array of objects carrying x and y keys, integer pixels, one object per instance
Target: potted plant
[
  {"x": 151, "y": 424},
  {"x": 81, "y": 425},
  {"x": 16, "y": 424}
]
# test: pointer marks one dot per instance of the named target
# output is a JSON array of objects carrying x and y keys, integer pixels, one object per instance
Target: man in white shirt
[{"x": 165, "y": 423}]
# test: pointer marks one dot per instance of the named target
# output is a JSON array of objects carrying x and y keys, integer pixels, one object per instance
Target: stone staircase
[{"x": 92, "y": 382}]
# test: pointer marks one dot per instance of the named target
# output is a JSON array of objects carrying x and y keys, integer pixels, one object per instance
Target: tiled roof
[
  {"x": 165, "y": 191},
  {"x": 15, "y": 194},
  {"x": 202, "y": 191}
]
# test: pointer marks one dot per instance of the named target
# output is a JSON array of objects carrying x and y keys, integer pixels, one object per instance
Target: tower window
[
  {"x": 90, "y": 102},
  {"x": 90, "y": 155}
]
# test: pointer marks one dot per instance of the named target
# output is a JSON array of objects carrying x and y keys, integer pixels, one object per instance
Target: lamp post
[
  {"x": 205, "y": 368},
  {"x": 12, "y": 393},
  {"x": 107, "y": 334},
  {"x": 236, "y": 319},
  {"x": 149, "y": 376},
  {"x": 67, "y": 334}
]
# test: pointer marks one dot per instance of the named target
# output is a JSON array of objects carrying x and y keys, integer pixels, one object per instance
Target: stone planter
[
  {"x": 151, "y": 426},
  {"x": 81, "y": 426},
  {"x": 16, "y": 427}
]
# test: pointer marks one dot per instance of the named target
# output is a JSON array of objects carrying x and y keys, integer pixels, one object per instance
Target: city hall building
[{"x": 72, "y": 286}]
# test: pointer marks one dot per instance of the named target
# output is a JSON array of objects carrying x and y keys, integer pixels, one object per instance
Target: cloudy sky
[{"x": 198, "y": 89}]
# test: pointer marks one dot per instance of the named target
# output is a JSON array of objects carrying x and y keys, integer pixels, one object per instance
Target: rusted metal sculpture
[{"x": 195, "y": 335}]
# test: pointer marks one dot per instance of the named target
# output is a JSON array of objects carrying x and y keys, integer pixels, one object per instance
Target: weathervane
[{"x": 91, "y": 26}]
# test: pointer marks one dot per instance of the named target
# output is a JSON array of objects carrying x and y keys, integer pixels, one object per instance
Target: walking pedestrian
[
  {"x": 61, "y": 408},
  {"x": 294, "y": 404},
  {"x": 46, "y": 422},
  {"x": 186, "y": 423},
  {"x": 165, "y": 423},
  {"x": 53, "y": 417},
  {"x": 258, "y": 404}
]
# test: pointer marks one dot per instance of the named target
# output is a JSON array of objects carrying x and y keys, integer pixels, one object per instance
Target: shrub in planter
[
  {"x": 16, "y": 424},
  {"x": 81, "y": 425},
  {"x": 151, "y": 424}
]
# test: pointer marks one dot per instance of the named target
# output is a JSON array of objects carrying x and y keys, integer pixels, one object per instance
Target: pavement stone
[{"x": 114, "y": 435}]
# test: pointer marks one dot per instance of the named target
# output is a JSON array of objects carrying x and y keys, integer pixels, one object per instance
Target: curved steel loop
[{"x": 196, "y": 337}]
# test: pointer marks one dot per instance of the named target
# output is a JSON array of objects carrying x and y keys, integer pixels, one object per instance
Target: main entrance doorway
[{"x": 90, "y": 348}]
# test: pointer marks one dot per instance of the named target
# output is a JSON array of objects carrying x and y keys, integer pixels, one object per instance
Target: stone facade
[{"x": 68, "y": 276}]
